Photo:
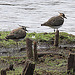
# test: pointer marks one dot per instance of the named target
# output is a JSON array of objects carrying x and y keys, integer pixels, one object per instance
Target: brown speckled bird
[
  {"x": 55, "y": 22},
  {"x": 17, "y": 34}
]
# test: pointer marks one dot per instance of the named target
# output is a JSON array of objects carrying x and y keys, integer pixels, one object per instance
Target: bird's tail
[
  {"x": 6, "y": 38},
  {"x": 42, "y": 24},
  {"x": 10, "y": 37}
]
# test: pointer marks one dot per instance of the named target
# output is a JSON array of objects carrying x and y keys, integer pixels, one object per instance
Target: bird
[
  {"x": 55, "y": 22},
  {"x": 17, "y": 34}
]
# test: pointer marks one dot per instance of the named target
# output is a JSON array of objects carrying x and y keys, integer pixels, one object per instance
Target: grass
[
  {"x": 18, "y": 71},
  {"x": 42, "y": 37},
  {"x": 12, "y": 60},
  {"x": 52, "y": 65}
]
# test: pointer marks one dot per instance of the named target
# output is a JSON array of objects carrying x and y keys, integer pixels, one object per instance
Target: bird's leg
[
  {"x": 54, "y": 30},
  {"x": 17, "y": 44}
]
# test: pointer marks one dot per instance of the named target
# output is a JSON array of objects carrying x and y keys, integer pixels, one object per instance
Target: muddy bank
[
  {"x": 52, "y": 60},
  {"x": 41, "y": 46}
]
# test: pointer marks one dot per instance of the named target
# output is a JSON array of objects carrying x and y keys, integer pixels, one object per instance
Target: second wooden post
[{"x": 29, "y": 48}]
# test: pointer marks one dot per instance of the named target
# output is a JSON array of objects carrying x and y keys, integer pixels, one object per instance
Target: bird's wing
[
  {"x": 55, "y": 21},
  {"x": 11, "y": 36},
  {"x": 16, "y": 34}
]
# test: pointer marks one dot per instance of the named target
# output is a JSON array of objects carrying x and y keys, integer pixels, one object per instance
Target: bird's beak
[
  {"x": 65, "y": 17},
  {"x": 24, "y": 26}
]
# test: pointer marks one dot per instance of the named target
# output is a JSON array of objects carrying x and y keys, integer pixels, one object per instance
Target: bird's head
[
  {"x": 62, "y": 15},
  {"x": 23, "y": 27}
]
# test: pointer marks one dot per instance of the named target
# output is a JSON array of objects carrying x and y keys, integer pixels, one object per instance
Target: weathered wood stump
[
  {"x": 40, "y": 54},
  {"x": 29, "y": 48},
  {"x": 3, "y": 72},
  {"x": 71, "y": 62},
  {"x": 28, "y": 69},
  {"x": 35, "y": 52},
  {"x": 10, "y": 68},
  {"x": 56, "y": 41}
]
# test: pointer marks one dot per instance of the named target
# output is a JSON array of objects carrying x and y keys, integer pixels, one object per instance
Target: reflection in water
[{"x": 33, "y": 13}]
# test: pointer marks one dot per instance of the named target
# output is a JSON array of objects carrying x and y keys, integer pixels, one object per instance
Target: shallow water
[{"x": 33, "y": 13}]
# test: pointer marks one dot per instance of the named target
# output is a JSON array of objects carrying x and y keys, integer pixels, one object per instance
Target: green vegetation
[
  {"x": 50, "y": 36},
  {"x": 18, "y": 71},
  {"x": 42, "y": 37},
  {"x": 52, "y": 65},
  {"x": 12, "y": 60},
  {"x": 49, "y": 64}
]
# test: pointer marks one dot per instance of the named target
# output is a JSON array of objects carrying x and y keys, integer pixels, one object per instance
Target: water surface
[{"x": 33, "y": 13}]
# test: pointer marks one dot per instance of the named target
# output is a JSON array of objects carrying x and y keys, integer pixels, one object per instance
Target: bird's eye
[{"x": 63, "y": 15}]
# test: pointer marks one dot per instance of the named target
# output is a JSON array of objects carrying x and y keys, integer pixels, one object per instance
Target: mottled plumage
[
  {"x": 17, "y": 34},
  {"x": 55, "y": 22}
]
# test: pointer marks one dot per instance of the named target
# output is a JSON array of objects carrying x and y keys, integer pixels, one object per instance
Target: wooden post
[
  {"x": 29, "y": 48},
  {"x": 3, "y": 72},
  {"x": 71, "y": 62},
  {"x": 28, "y": 69},
  {"x": 56, "y": 41},
  {"x": 35, "y": 52}
]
